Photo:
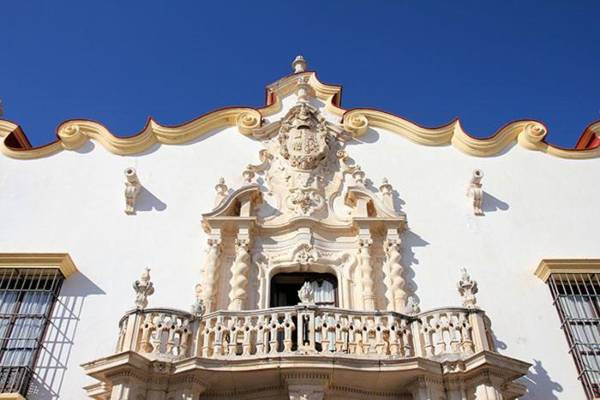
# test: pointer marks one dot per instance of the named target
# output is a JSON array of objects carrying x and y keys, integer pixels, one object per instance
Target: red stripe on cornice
[
  {"x": 17, "y": 140},
  {"x": 588, "y": 139}
]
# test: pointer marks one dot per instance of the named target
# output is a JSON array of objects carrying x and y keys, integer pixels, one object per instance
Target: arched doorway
[{"x": 285, "y": 286}]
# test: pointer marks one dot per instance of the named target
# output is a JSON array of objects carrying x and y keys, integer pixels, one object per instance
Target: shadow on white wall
[
  {"x": 540, "y": 385},
  {"x": 56, "y": 349}
]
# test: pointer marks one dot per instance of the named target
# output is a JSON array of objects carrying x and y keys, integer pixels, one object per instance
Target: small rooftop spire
[{"x": 299, "y": 64}]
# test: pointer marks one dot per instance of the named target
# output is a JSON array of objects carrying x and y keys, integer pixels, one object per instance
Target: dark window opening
[
  {"x": 27, "y": 297},
  {"x": 284, "y": 289},
  {"x": 577, "y": 300}
]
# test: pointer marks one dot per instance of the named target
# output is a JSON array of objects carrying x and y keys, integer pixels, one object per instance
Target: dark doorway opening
[{"x": 285, "y": 286}]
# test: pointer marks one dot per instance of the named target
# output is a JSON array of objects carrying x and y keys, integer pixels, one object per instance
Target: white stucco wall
[{"x": 536, "y": 206}]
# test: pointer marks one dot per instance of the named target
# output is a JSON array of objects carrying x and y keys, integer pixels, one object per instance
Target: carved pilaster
[
  {"x": 306, "y": 392},
  {"x": 425, "y": 388},
  {"x": 392, "y": 248},
  {"x": 306, "y": 386},
  {"x": 366, "y": 269},
  {"x": 239, "y": 274},
  {"x": 207, "y": 289},
  {"x": 126, "y": 385}
]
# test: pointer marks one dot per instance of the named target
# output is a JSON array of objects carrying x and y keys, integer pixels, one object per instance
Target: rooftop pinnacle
[{"x": 299, "y": 64}]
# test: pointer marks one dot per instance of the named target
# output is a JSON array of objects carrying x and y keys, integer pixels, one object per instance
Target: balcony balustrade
[
  {"x": 305, "y": 351},
  {"x": 167, "y": 334}
]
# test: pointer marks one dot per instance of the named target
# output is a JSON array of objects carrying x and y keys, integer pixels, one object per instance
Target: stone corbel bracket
[
  {"x": 475, "y": 192},
  {"x": 132, "y": 190}
]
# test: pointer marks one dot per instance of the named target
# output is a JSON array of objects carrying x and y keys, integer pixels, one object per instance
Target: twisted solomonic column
[
  {"x": 239, "y": 275},
  {"x": 206, "y": 290},
  {"x": 366, "y": 270},
  {"x": 392, "y": 248}
]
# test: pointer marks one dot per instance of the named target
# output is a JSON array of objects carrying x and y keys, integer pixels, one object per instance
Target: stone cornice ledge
[
  {"x": 72, "y": 134},
  {"x": 11, "y": 396},
  {"x": 60, "y": 261},
  {"x": 549, "y": 266}
]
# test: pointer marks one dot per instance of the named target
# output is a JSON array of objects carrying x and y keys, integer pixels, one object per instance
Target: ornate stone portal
[{"x": 312, "y": 211}]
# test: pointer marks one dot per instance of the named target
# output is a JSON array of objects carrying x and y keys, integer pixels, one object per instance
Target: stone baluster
[
  {"x": 239, "y": 274},
  {"x": 366, "y": 269},
  {"x": 454, "y": 335},
  {"x": 147, "y": 326},
  {"x": 273, "y": 329},
  {"x": 248, "y": 330},
  {"x": 379, "y": 343},
  {"x": 232, "y": 332},
  {"x": 184, "y": 339},
  {"x": 156, "y": 332},
  {"x": 426, "y": 331},
  {"x": 218, "y": 338},
  {"x": 206, "y": 339},
  {"x": 368, "y": 344},
  {"x": 394, "y": 337},
  {"x": 341, "y": 333},
  {"x": 171, "y": 332},
  {"x": 407, "y": 347},
  {"x": 121, "y": 338},
  {"x": 444, "y": 327},
  {"x": 261, "y": 335},
  {"x": 324, "y": 333},
  {"x": 289, "y": 327}
]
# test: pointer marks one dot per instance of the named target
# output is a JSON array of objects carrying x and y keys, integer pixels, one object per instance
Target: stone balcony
[{"x": 305, "y": 350}]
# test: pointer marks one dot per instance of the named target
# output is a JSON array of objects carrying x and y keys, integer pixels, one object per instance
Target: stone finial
[
  {"x": 303, "y": 90},
  {"x": 143, "y": 288},
  {"x": 132, "y": 190},
  {"x": 412, "y": 306},
  {"x": 221, "y": 189},
  {"x": 467, "y": 289},
  {"x": 299, "y": 64},
  {"x": 359, "y": 176},
  {"x": 248, "y": 175},
  {"x": 198, "y": 308},
  {"x": 386, "y": 191},
  {"x": 306, "y": 294},
  {"x": 475, "y": 191}
]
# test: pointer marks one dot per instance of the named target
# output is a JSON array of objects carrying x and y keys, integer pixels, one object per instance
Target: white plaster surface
[{"x": 536, "y": 206}]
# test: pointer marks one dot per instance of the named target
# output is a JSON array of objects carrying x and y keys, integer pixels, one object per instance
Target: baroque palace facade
[{"x": 342, "y": 254}]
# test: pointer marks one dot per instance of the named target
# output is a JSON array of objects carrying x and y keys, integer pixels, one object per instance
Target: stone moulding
[
  {"x": 72, "y": 134},
  {"x": 60, "y": 261},
  {"x": 547, "y": 267}
]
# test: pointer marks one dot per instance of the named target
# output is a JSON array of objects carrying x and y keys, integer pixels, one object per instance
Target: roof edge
[{"x": 73, "y": 134}]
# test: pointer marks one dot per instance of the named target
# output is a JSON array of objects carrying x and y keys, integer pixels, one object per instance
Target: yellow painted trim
[
  {"x": 61, "y": 261},
  {"x": 548, "y": 267},
  {"x": 11, "y": 396},
  {"x": 74, "y": 133}
]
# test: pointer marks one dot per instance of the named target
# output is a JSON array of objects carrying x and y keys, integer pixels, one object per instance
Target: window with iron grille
[
  {"x": 27, "y": 297},
  {"x": 577, "y": 299}
]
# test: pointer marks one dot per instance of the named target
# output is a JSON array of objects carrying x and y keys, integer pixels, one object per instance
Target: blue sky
[{"x": 486, "y": 63}]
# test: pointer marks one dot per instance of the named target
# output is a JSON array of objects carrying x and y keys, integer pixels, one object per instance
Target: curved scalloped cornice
[{"x": 73, "y": 134}]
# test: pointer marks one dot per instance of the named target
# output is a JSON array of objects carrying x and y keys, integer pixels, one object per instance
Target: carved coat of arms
[{"x": 303, "y": 137}]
